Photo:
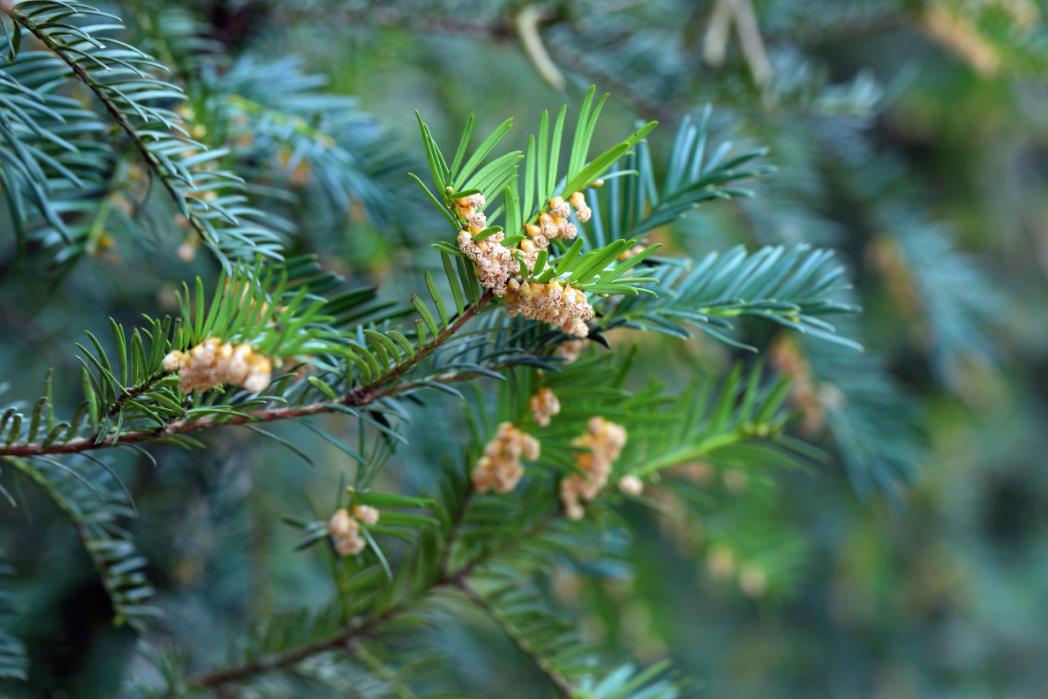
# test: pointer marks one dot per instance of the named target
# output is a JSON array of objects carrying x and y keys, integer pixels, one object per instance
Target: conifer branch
[
  {"x": 124, "y": 80},
  {"x": 114, "y": 112},
  {"x": 456, "y": 579},
  {"x": 564, "y": 687},
  {"x": 341, "y": 641},
  {"x": 383, "y": 386},
  {"x": 291, "y": 340},
  {"x": 133, "y": 392},
  {"x": 691, "y": 452}
]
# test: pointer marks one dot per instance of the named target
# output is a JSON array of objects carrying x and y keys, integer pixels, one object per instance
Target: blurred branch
[
  {"x": 527, "y": 23},
  {"x": 69, "y": 57},
  {"x": 960, "y": 34},
  {"x": 445, "y": 578},
  {"x": 751, "y": 42},
  {"x": 519, "y": 639},
  {"x": 715, "y": 45},
  {"x": 342, "y": 641},
  {"x": 715, "y": 42},
  {"x": 542, "y": 54}
]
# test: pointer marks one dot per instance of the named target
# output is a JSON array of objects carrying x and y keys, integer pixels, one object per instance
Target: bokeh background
[{"x": 910, "y": 135}]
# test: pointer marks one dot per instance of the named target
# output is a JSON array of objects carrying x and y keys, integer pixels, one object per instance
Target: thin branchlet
[
  {"x": 457, "y": 578},
  {"x": 446, "y": 578},
  {"x": 131, "y": 393},
  {"x": 559, "y": 681}
]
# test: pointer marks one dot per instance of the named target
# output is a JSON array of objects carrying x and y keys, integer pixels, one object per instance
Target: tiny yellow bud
[
  {"x": 631, "y": 485},
  {"x": 366, "y": 514}
]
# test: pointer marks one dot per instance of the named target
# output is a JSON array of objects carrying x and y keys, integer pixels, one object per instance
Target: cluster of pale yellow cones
[
  {"x": 603, "y": 441},
  {"x": 214, "y": 363},
  {"x": 500, "y": 468},
  {"x": 497, "y": 268},
  {"x": 344, "y": 529}
]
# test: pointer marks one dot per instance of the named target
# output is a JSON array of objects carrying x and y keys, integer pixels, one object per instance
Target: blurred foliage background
[{"x": 910, "y": 135}]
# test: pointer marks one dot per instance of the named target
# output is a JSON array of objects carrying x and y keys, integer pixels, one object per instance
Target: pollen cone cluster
[
  {"x": 544, "y": 405},
  {"x": 344, "y": 529},
  {"x": 497, "y": 267},
  {"x": 604, "y": 441},
  {"x": 493, "y": 262},
  {"x": 569, "y": 351},
  {"x": 213, "y": 363},
  {"x": 500, "y": 468},
  {"x": 554, "y": 224},
  {"x": 553, "y": 303}
]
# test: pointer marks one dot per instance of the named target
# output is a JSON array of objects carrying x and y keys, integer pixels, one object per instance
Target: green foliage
[
  {"x": 361, "y": 360},
  {"x": 97, "y": 503},
  {"x": 51, "y": 143},
  {"x": 790, "y": 287},
  {"x": 282, "y": 115},
  {"x": 875, "y": 426},
  {"x": 725, "y": 425},
  {"x": 598, "y": 271},
  {"x": 124, "y": 81},
  {"x": 13, "y": 662},
  {"x": 257, "y": 307},
  {"x": 698, "y": 170},
  {"x": 94, "y": 143},
  {"x": 958, "y": 304}
]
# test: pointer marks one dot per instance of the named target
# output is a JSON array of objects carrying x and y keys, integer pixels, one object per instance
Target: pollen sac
[
  {"x": 569, "y": 351},
  {"x": 469, "y": 203},
  {"x": 492, "y": 261},
  {"x": 500, "y": 468},
  {"x": 551, "y": 226},
  {"x": 631, "y": 485},
  {"x": 366, "y": 514},
  {"x": 582, "y": 210},
  {"x": 344, "y": 529},
  {"x": 529, "y": 253},
  {"x": 544, "y": 405},
  {"x": 537, "y": 237},
  {"x": 477, "y": 221},
  {"x": 566, "y": 230},
  {"x": 559, "y": 208},
  {"x": 559, "y": 305},
  {"x": 603, "y": 441}
]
